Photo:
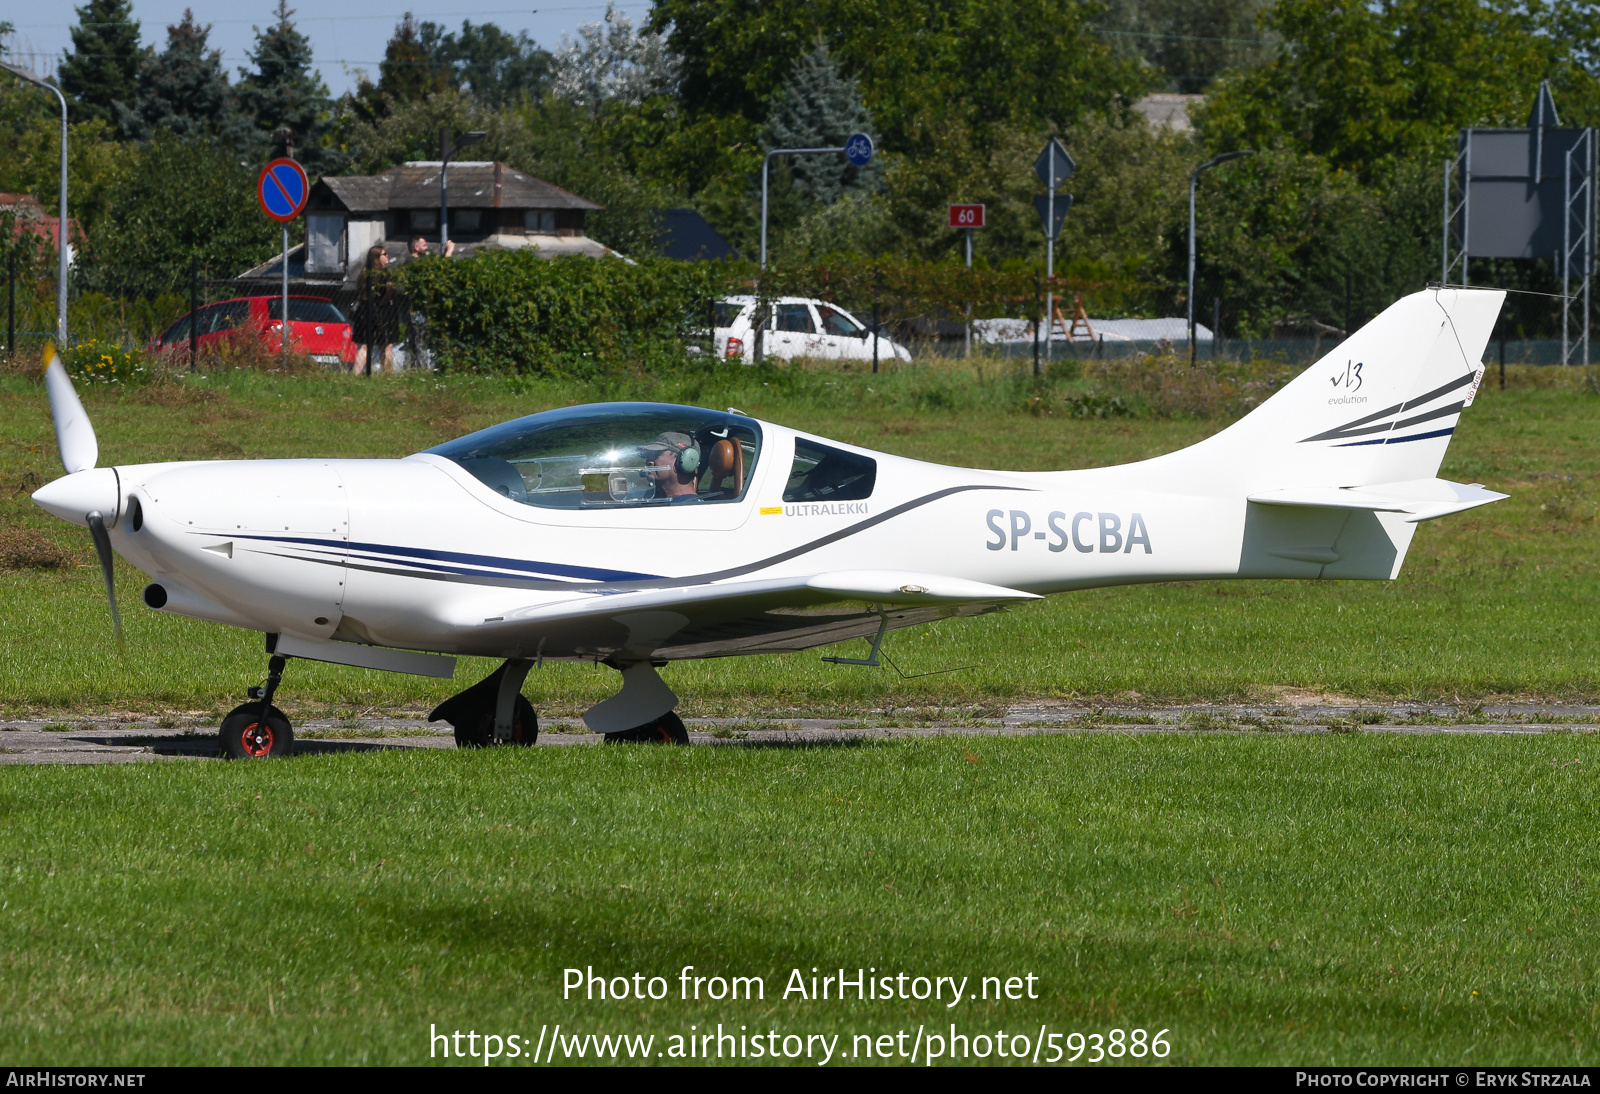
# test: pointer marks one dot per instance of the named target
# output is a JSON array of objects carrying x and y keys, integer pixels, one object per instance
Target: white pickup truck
[{"x": 798, "y": 326}]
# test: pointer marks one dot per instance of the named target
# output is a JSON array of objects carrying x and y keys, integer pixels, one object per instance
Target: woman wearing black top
[{"x": 377, "y": 314}]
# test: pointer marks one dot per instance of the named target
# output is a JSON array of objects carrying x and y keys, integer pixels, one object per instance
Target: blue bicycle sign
[{"x": 858, "y": 149}]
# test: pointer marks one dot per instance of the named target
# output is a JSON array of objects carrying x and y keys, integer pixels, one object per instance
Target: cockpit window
[
  {"x": 613, "y": 455},
  {"x": 821, "y": 473}
]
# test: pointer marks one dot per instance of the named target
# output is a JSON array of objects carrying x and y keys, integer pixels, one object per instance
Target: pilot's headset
[{"x": 686, "y": 458}]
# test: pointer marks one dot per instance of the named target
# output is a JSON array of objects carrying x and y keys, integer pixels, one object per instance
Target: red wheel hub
[{"x": 256, "y": 739}]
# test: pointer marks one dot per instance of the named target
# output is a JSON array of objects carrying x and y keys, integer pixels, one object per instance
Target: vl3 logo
[{"x": 1350, "y": 378}]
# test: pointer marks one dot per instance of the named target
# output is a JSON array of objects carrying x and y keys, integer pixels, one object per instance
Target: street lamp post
[
  {"x": 765, "y": 163},
  {"x": 1194, "y": 182},
  {"x": 445, "y": 152},
  {"x": 61, "y": 216}
]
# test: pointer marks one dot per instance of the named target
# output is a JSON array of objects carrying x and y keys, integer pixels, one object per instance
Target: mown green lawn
[
  {"x": 1263, "y": 898},
  {"x": 1496, "y": 602}
]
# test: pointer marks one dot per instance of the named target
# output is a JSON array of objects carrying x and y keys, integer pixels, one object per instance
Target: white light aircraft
[{"x": 638, "y": 534}]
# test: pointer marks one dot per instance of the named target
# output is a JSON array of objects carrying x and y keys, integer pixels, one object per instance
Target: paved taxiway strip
[{"x": 88, "y": 740}]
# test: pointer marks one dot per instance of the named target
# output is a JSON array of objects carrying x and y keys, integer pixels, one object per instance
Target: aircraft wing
[{"x": 767, "y": 615}]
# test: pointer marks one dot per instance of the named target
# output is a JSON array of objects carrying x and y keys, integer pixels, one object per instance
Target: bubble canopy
[{"x": 613, "y": 455}]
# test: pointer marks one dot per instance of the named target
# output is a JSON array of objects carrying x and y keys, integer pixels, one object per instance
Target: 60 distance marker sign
[{"x": 282, "y": 189}]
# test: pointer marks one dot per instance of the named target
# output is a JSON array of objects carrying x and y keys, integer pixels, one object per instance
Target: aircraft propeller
[{"x": 86, "y": 493}]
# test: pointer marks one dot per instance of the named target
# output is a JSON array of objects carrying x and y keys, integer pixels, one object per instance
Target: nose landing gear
[{"x": 257, "y": 730}]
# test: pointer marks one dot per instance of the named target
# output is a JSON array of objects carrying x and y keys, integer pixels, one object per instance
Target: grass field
[{"x": 1264, "y": 897}]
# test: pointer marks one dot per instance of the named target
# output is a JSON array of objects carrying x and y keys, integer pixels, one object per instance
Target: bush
[
  {"x": 98, "y": 362},
  {"x": 512, "y": 311}
]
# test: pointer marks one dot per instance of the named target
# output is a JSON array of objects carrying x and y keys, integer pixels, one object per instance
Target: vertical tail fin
[{"x": 1380, "y": 408}]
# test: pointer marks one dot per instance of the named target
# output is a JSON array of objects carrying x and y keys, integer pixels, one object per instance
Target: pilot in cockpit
[{"x": 674, "y": 465}]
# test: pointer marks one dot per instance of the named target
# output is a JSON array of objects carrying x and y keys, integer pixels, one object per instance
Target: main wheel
[
  {"x": 524, "y": 728},
  {"x": 245, "y": 737},
  {"x": 665, "y": 730}
]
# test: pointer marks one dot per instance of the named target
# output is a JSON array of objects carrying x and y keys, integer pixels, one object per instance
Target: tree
[
  {"x": 609, "y": 63},
  {"x": 1191, "y": 42},
  {"x": 151, "y": 229},
  {"x": 1033, "y": 61},
  {"x": 284, "y": 97},
  {"x": 102, "y": 70},
  {"x": 819, "y": 107},
  {"x": 1369, "y": 86},
  {"x": 410, "y": 70},
  {"x": 184, "y": 91},
  {"x": 498, "y": 68}
]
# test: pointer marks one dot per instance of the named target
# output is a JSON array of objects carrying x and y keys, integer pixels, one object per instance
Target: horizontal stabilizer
[{"x": 1419, "y": 499}]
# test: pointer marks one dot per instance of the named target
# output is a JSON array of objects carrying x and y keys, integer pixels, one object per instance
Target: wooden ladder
[{"x": 1078, "y": 328}]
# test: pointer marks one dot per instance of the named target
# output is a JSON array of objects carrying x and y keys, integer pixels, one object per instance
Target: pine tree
[
  {"x": 410, "y": 70},
  {"x": 819, "y": 107},
  {"x": 284, "y": 97},
  {"x": 102, "y": 70},
  {"x": 185, "y": 91}
]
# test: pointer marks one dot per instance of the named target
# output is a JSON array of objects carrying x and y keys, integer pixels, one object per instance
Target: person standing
[{"x": 376, "y": 314}]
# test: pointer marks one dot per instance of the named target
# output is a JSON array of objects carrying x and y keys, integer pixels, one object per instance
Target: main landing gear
[
  {"x": 257, "y": 730},
  {"x": 492, "y": 711},
  {"x": 641, "y": 712},
  {"x": 665, "y": 730}
]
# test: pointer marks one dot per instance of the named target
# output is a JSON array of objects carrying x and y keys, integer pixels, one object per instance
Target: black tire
[
  {"x": 244, "y": 738},
  {"x": 524, "y": 728},
  {"x": 665, "y": 730}
]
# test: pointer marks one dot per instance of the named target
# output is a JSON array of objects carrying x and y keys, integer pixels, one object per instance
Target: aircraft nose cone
[{"x": 72, "y": 496}]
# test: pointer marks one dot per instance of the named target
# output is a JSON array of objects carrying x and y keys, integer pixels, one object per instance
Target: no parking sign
[{"x": 282, "y": 189}]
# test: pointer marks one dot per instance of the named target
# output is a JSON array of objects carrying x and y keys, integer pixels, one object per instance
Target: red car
[{"x": 316, "y": 327}]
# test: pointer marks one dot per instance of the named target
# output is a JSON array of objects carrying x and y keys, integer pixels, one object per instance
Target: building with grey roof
[{"x": 492, "y": 206}]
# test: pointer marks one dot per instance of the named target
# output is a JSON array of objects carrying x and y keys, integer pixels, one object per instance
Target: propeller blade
[
  {"x": 102, "y": 547},
  {"x": 74, "y": 434}
]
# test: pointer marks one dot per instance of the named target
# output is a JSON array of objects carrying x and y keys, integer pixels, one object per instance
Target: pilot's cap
[{"x": 669, "y": 442}]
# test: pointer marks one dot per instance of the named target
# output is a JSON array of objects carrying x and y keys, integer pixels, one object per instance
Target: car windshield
[
  {"x": 727, "y": 311},
  {"x": 613, "y": 455},
  {"x": 836, "y": 322},
  {"x": 306, "y": 310}
]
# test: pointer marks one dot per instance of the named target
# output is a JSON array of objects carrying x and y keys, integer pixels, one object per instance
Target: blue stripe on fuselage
[{"x": 553, "y": 569}]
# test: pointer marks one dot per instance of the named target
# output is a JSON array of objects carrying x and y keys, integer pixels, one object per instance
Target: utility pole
[
  {"x": 1194, "y": 181},
  {"x": 61, "y": 213},
  {"x": 968, "y": 324}
]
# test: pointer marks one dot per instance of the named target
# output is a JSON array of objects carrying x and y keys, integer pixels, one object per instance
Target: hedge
[{"x": 513, "y": 311}]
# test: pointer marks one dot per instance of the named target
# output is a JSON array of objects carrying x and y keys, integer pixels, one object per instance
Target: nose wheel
[
  {"x": 246, "y": 735},
  {"x": 257, "y": 730}
]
